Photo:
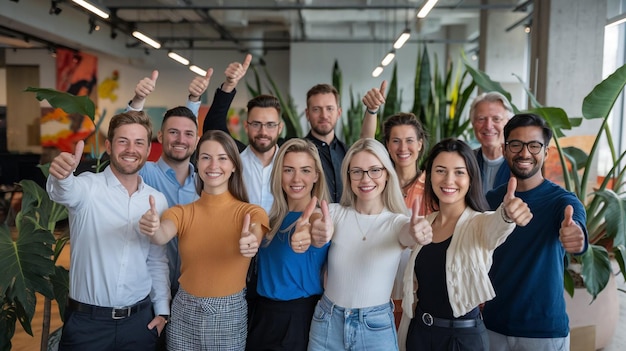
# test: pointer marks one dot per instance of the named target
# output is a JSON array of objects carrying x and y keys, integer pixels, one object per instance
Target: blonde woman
[
  {"x": 369, "y": 228},
  {"x": 290, "y": 274}
]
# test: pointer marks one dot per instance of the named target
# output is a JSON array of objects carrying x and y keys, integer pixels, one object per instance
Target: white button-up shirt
[{"x": 258, "y": 179}]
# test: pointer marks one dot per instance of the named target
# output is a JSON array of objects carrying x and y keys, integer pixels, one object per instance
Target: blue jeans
[
  {"x": 499, "y": 342},
  {"x": 337, "y": 328}
]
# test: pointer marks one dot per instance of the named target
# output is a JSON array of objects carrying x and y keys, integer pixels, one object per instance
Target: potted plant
[{"x": 605, "y": 203}]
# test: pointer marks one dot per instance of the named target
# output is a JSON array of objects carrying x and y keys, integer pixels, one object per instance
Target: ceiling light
[
  {"x": 403, "y": 38},
  {"x": 146, "y": 39},
  {"x": 92, "y": 8},
  {"x": 377, "y": 71},
  {"x": 423, "y": 12},
  {"x": 527, "y": 28},
  {"x": 176, "y": 57},
  {"x": 388, "y": 58},
  {"x": 197, "y": 70},
  {"x": 92, "y": 25}
]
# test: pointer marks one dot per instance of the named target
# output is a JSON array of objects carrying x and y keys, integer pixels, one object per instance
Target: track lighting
[
  {"x": 377, "y": 71},
  {"x": 113, "y": 33},
  {"x": 146, "y": 39},
  {"x": 197, "y": 70},
  {"x": 425, "y": 10},
  {"x": 92, "y": 8},
  {"x": 176, "y": 57},
  {"x": 406, "y": 34},
  {"x": 93, "y": 25},
  {"x": 388, "y": 58},
  {"x": 54, "y": 8}
]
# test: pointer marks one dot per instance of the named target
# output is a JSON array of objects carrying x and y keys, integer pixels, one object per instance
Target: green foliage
[
  {"x": 352, "y": 122},
  {"x": 440, "y": 98},
  {"x": 66, "y": 101},
  {"x": 606, "y": 205}
]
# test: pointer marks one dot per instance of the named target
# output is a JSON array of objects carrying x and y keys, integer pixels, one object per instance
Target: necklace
[{"x": 369, "y": 228}]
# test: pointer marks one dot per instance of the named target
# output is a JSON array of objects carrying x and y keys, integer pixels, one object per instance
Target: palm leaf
[{"x": 66, "y": 101}]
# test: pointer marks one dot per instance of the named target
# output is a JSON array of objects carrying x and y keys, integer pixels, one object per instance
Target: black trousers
[
  {"x": 281, "y": 325},
  {"x": 421, "y": 337},
  {"x": 85, "y": 331}
]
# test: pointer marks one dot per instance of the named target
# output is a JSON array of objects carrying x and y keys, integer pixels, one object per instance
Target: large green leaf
[
  {"x": 596, "y": 269},
  {"x": 66, "y": 101},
  {"x": 26, "y": 265},
  {"x": 61, "y": 286},
  {"x": 37, "y": 203},
  {"x": 600, "y": 101},
  {"x": 614, "y": 216},
  {"x": 391, "y": 100},
  {"x": 484, "y": 81}
]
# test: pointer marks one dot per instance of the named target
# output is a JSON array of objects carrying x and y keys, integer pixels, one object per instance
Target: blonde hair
[
  {"x": 280, "y": 207},
  {"x": 392, "y": 194}
]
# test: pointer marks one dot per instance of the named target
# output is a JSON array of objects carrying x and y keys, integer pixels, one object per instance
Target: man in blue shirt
[{"x": 528, "y": 312}]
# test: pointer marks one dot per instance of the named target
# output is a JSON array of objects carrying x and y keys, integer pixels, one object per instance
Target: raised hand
[
  {"x": 420, "y": 229},
  {"x": 65, "y": 163},
  {"x": 571, "y": 235},
  {"x": 248, "y": 244},
  {"x": 515, "y": 209},
  {"x": 150, "y": 221},
  {"x": 146, "y": 86},
  {"x": 198, "y": 85},
  {"x": 322, "y": 228},
  {"x": 301, "y": 237},
  {"x": 374, "y": 98},
  {"x": 234, "y": 72}
]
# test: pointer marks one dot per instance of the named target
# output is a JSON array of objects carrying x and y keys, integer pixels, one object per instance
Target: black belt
[
  {"x": 430, "y": 321},
  {"x": 110, "y": 312}
]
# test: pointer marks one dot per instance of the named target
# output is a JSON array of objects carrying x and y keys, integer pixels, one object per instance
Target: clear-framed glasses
[
  {"x": 318, "y": 109},
  {"x": 269, "y": 125},
  {"x": 373, "y": 173},
  {"x": 534, "y": 147}
]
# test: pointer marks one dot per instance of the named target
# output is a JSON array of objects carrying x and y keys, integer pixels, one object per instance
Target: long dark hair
[
  {"x": 235, "y": 183},
  {"x": 474, "y": 198}
]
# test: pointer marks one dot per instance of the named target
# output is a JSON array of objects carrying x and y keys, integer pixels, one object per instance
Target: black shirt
[{"x": 332, "y": 156}]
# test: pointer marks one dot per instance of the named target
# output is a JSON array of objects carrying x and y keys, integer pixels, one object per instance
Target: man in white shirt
[
  {"x": 119, "y": 292},
  {"x": 263, "y": 128}
]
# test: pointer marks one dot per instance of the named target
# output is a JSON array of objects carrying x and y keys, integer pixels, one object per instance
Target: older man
[{"x": 489, "y": 113}]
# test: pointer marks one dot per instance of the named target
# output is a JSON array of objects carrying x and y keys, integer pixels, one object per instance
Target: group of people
[{"x": 302, "y": 244}]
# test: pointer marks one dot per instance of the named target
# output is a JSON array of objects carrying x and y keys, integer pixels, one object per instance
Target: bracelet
[
  {"x": 505, "y": 217},
  {"x": 371, "y": 112}
]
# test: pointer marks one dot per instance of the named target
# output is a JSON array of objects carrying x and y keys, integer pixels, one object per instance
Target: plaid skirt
[{"x": 208, "y": 323}]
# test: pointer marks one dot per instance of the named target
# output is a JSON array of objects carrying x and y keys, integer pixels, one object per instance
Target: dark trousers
[
  {"x": 86, "y": 331},
  {"x": 421, "y": 337},
  {"x": 281, "y": 325}
]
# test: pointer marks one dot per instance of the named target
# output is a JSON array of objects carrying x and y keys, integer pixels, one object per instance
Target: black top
[{"x": 332, "y": 156}]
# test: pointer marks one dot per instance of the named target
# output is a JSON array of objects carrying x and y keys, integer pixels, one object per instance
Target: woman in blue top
[{"x": 290, "y": 278}]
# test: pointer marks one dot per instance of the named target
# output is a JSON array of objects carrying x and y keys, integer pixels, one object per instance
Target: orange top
[
  {"x": 416, "y": 191},
  {"x": 209, "y": 230}
]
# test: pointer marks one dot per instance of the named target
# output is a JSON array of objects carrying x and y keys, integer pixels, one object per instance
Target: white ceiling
[{"x": 262, "y": 25}]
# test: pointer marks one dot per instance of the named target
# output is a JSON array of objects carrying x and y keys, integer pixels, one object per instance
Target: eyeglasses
[
  {"x": 373, "y": 173},
  {"x": 516, "y": 146},
  {"x": 269, "y": 125},
  {"x": 317, "y": 110}
]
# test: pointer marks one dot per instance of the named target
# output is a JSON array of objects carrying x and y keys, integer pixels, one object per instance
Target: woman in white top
[
  {"x": 452, "y": 272},
  {"x": 369, "y": 228}
]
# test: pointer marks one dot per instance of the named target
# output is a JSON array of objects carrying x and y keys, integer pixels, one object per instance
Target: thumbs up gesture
[
  {"x": 375, "y": 97},
  {"x": 65, "y": 163},
  {"x": 248, "y": 244},
  {"x": 234, "y": 72},
  {"x": 198, "y": 85},
  {"x": 571, "y": 235},
  {"x": 514, "y": 208},
  {"x": 150, "y": 221},
  {"x": 301, "y": 237},
  {"x": 146, "y": 86},
  {"x": 420, "y": 229},
  {"x": 322, "y": 228}
]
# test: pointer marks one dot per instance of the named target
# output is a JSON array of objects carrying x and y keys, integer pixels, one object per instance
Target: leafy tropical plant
[
  {"x": 439, "y": 99},
  {"x": 605, "y": 205},
  {"x": 352, "y": 122},
  {"x": 29, "y": 263}
]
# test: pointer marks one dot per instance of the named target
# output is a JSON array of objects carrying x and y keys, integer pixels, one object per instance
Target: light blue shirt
[
  {"x": 258, "y": 179},
  {"x": 112, "y": 264},
  {"x": 162, "y": 177}
]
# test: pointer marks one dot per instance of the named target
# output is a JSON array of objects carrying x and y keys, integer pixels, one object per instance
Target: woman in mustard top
[{"x": 217, "y": 236}]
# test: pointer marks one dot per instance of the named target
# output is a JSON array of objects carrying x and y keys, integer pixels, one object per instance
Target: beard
[
  {"x": 524, "y": 173},
  {"x": 174, "y": 156},
  {"x": 259, "y": 147},
  {"x": 127, "y": 169}
]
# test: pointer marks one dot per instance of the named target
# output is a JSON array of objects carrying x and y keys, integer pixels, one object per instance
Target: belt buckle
[
  {"x": 427, "y": 319},
  {"x": 120, "y": 315}
]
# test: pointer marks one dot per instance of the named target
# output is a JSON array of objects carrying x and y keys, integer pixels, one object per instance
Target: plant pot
[{"x": 603, "y": 313}]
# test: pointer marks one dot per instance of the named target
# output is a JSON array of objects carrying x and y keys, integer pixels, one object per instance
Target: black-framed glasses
[
  {"x": 516, "y": 146},
  {"x": 269, "y": 125},
  {"x": 373, "y": 173}
]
